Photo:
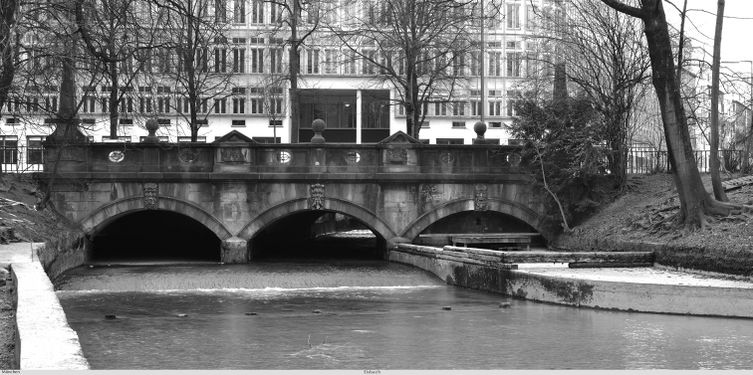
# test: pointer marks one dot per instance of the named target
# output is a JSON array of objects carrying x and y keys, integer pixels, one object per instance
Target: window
[
  {"x": 184, "y": 139},
  {"x": 275, "y": 13},
  {"x": 368, "y": 66},
  {"x": 458, "y": 124},
  {"x": 126, "y": 121},
  {"x": 8, "y": 149},
  {"x": 239, "y": 11},
  {"x": 219, "y": 105},
  {"x": 239, "y": 105},
  {"x": 88, "y": 103},
  {"x": 513, "y": 16},
  {"x": 513, "y": 64},
  {"x": 275, "y": 123},
  {"x": 450, "y": 141},
  {"x": 458, "y": 65},
  {"x": 495, "y": 108},
  {"x": 257, "y": 105},
  {"x": 34, "y": 149},
  {"x": 312, "y": 61},
  {"x": 512, "y": 98},
  {"x": 257, "y": 11},
  {"x": 51, "y": 103},
  {"x": 475, "y": 108},
  {"x": 495, "y": 124},
  {"x": 162, "y": 138},
  {"x": 163, "y": 105},
  {"x": 476, "y": 63},
  {"x": 458, "y": 109},
  {"x": 257, "y": 60},
  {"x": 122, "y": 138},
  {"x": 350, "y": 63},
  {"x": 145, "y": 105},
  {"x": 440, "y": 109},
  {"x": 163, "y": 122},
  {"x": 275, "y": 60},
  {"x": 275, "y": 106},
  {"x": 330, "y": 61},
  {"x": 239, "y": 123},
  {"x": 239, "y": 60},
  {"x": 220, "y": 11},
  {"x": 266, "y": 139},
  {"x": 220, "y": 60},
  {"x": 495, "y": 64}
]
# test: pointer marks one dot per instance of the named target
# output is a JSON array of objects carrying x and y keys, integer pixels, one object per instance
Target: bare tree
[
  {"x": 420, "y": 47},
  {"x": 9, "y": 47},
  {"x": 118, "y": 35},
  {"x": 607, "y": 62},
  {"x": 196, "y": 58},
  {"x": 695, "y": 203},
  {"x": 716, "y": 181}
]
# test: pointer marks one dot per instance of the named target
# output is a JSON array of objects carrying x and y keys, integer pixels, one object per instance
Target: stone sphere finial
[
  {"x": 318, "y": 127},
  {"x": 151, "y": 126},
  {"x": 480, "y": 128}
]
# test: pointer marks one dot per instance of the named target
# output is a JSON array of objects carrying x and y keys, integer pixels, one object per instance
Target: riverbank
[{"x": 641, "y": 220}]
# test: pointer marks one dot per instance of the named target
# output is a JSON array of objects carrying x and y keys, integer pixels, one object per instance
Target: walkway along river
[{"x": 365, "y": 314}]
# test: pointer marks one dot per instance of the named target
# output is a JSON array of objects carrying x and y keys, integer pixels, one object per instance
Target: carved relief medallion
[
  {"x": 397, "y": 156},
  {"x": 480, "y": 198},
  {"x": 316, "y": 196},
  {"x": 352, "y": 157},
  {"x": 151, "y": 195},
  {"x": 188, "y": 155},
  {"x": 233, "y": 154},
  {"x": 447, "y": 158},
  {"x": 116, "y": 156}
]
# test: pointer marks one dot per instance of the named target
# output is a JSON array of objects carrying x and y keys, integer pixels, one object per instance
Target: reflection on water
[{"x": 386, "y": 327}]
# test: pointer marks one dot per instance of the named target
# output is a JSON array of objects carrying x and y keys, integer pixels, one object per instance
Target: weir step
[{"x": 510, "y": 259}]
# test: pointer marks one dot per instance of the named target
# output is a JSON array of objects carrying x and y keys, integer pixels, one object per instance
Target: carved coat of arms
[
  {"x": 151, "y": 195},
  {"x": 480, "y": 198},
  {"x": 316, "y": 196}
]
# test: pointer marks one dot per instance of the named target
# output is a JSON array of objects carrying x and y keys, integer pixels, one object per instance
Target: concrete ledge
[
  {"x": 44, "y": 340},
  {"x": 572, "y": 289}
]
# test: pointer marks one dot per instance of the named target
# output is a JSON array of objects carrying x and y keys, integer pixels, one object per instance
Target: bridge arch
[
  {"x": 514, "y": 209},
  {"x": 273, "y": 214},
  {"x": 110, "y": 212}
]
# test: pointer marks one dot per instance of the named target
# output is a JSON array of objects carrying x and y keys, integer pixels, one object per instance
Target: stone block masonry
[{"x": 44, "y": 340}]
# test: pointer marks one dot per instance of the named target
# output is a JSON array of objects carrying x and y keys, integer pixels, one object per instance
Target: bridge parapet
[{"x": 248, "y": 157}]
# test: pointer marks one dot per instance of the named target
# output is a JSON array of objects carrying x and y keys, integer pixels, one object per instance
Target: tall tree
[
  {"x": 716, "y": 181},
  {"x": 419, "y": 46},
  {"x": 9, "y": 47},
  {"x": 695, "y": 202},
  {"x": 607, "y": 62},
  {"x": 196, "y": 58},
  {"x": 118, "y": 35}
]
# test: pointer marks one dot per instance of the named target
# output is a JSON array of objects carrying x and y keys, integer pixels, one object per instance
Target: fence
[{"x": 643, "y": 161}]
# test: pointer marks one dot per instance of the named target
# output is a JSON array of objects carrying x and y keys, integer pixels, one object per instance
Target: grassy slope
[{"x": 725, "y": 245}]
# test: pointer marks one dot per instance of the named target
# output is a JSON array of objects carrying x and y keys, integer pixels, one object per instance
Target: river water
[{"x": 366, "y": 315}]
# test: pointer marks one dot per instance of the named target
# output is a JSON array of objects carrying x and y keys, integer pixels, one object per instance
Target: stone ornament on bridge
[
  {"x": 316, "y": 196},
  {"x": 233, "y": 154},
  {"x": 151, "y": 195},
  {"x": 514, "y": 159},
  {"x": 480, "y": 198},
  {"x": 431, "y": 193},
  {"x": 284, "y": 157},
  {"x": 116, "y": 156},
  {"x": 188, "y": 155},
  {"x": 397, "y": 156},
  {"x": 352, "y": 157},
  {"x": 447, "y": 158}
]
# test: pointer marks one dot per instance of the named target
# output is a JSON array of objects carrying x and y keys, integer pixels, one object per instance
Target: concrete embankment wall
[
  {"x": 467, "y": 270},
  {"x": 44, "y": 340}
]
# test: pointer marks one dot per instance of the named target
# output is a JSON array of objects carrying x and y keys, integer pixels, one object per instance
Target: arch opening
[
  {"x": 476, "y": 222},
  {"x": 154, "y": 236},
  {"x": 317, "y": 236}
]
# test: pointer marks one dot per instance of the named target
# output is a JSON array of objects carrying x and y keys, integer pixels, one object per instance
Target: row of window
[{"x": 258, "y": 12}]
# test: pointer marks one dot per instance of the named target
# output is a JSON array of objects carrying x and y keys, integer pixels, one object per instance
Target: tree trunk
[
  {"x": 8, "y": 49},
  {"x": 293, "y": 70},
  {"x": 694, "y": 199},
  {"x": 113, "y": 101},
  {"x": 716, "y": 181}
]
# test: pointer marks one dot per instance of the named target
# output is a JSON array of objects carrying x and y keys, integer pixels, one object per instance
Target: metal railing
[
  {"x": 645, "y": 161},
  {"x": 21, "y": 159}
]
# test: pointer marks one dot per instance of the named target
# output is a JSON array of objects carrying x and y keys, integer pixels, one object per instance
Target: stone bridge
[{"x": 236, "y": 188}]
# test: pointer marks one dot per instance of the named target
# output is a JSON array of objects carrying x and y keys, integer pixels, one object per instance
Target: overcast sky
[{"x": 737, "y": 35}]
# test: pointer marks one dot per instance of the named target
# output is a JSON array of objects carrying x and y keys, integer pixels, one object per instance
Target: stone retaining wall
[
  {"x": 44, "y": 340},
  {"x": 461, "y": 270}
]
